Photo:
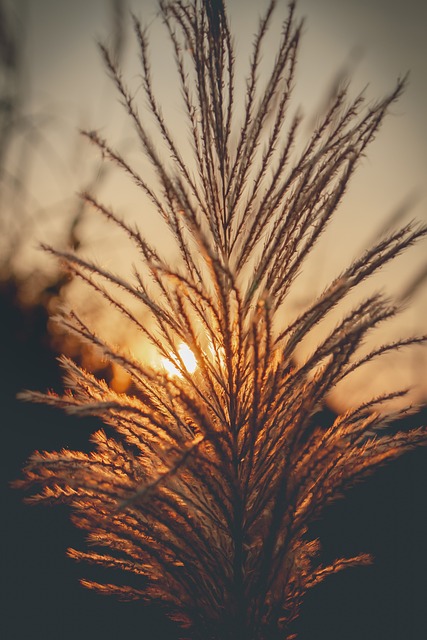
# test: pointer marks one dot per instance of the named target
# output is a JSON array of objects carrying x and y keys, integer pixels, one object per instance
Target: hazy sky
[
  {"x": 379, "y": 40},
  {"x": 389, "y": 36}
]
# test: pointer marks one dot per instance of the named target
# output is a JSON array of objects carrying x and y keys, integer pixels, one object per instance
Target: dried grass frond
[{"x": 205, "y": 483}]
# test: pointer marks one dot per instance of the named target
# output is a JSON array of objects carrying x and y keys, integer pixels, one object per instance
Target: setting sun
[{"x": 188, "y": 358}]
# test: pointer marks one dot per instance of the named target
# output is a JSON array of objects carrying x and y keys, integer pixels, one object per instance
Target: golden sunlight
[{"x": 188, "y": 359}]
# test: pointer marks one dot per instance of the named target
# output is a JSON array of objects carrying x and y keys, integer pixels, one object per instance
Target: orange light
[{"x": 188, "y": 358}]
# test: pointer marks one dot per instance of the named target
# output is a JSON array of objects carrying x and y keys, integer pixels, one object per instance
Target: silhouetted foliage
[{"x": 202, "y": 487}]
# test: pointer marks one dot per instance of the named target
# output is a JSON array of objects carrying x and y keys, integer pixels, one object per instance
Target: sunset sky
[
  {"x": 380, "y": 40},
  {"x": 374, "y": 42}
]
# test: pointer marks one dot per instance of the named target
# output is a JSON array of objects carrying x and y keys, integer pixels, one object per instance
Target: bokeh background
[{"x": 53, "y": 84}]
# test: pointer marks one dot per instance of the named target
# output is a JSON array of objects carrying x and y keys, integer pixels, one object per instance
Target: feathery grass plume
[{"x": 203, "y": 484}]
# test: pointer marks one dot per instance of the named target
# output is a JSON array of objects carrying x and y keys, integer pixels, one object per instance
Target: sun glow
[{"x": 188, "y": 359}]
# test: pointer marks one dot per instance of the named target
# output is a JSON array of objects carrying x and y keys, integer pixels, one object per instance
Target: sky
[
  {"x": 374, "y": 42},
  {"x": 387, "y": 38},
  {"x": 381, "y": 41}
]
